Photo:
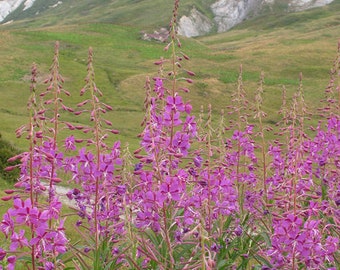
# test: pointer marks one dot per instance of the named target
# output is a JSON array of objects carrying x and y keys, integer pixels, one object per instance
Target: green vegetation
[
  {"x": 146, "y": 13},
  {"x": 7, "y": 151},
  {"x": 123, "y": 61}
]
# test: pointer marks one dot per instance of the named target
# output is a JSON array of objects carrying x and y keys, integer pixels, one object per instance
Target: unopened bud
[
  {"x": 6, "y": 198},
  {"x": 10, "y": 168},
  {"x": 14, "y": 158},
  {"x": 56, "y": 180},
  {"x": 157, "y": 63},
  {"x": 108, "y": 107},
  {"x": 137, "y": 151},
  {"x": 191, "y": 73},
  {"x": 184, "y": 89},
  {"x": 107, "y": 122},
  {"x": 166, "y": 48},
  {"x": 178, "y": 155},
  {"x": 185, "y": 56}
]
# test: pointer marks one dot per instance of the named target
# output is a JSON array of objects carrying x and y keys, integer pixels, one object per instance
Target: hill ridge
[{"x": 197, "y": 18}]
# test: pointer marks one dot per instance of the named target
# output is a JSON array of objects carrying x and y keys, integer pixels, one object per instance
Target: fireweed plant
[
  {"x": 99, "y": 194},
  {"x": 192, "y": 196},
  {"x": 34, "y": 225}
]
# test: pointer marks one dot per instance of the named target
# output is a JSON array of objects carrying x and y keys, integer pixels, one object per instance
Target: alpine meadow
[{"x": 215, "y": 152}]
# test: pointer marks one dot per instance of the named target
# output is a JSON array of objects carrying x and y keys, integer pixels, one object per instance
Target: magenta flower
[
  {"x": 7, "y": 224},
  {"x": 174, "y": 104},
  {"x": 24, "y": 212},
  {"x": 170, "y": 190},
  {"x": 70, "y": 143},
  {"x": 18, "y": 241},
  {"x": 54, "y": 209},
  {"x": 2, "y": 254},
  {"x": 151, "y": 199},
  {"x": 158, "y": 88},
  {"x": 40, "y": 233},
  {"x": 150, "y": 140},
  {"x": 198, "y": 161},
  {"x": 49, "y": 266},
  {"x": 180, "y": 143},
  {"x": 190, "y": 126},
  {"x": 11, "y": 262},
  {"x": 172, "y": 119},
  {"x": 148, "y": 220}
]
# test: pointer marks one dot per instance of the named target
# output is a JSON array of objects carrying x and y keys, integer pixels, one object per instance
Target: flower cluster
[
  {"x": 47, "y": 242},
  {"x": 297, "y": 243},
  {"x": 192, "y": 197},
  {"x": 35, "y": 223}
]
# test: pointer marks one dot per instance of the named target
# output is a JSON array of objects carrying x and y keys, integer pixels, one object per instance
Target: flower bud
[
  {"x": 6, "y": 198},
  {"x": 10, "y": 168},
  {"x": 191, "y": 73}
]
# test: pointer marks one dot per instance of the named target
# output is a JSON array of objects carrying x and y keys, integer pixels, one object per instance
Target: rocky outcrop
[
  {"x": 196, "y": 24},
  {"x": 161, "y": 35},
  {"x": 224, "y": 13},
  {"x": 6, "y": 7},
  {"x": 299, "y": 5},
  {"x": 228, "y": 13}
]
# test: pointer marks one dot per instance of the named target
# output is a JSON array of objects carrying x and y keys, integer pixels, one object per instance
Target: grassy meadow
[{"x": 280, "y": 45}]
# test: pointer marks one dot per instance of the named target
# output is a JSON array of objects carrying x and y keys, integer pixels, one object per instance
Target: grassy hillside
[
  {"x": 144, "y": 13},
  {"x": 281, "y": 46}
]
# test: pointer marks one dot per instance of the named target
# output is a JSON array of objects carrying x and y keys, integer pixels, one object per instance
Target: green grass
[
  {"x": 280, "y": 46},
  {"x": 122, "y": 60},
  {"x": 147, "y": 13}
]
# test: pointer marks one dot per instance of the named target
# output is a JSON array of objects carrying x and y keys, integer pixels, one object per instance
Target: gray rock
[
  {"x": 196, "y": 24},
  {"x": 228, "y": 13}
]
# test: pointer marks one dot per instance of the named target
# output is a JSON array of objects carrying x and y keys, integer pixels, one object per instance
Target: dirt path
[{"x": 61, "y": 192}]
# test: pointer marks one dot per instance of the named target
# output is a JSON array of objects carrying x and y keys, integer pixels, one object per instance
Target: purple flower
[
  {"x": 70, "y": 143},
  {"x": 11, "y": 262},
  {"x": 170, "y": 190},
  {"x": 151, "y": 200},
  {"x": 215, "y": 247},
  {"x": 171, "y": 119},
  {"x": 49, "y": 266},
  {"x": 180, "y": 143},
  {"x": 2, "y": 254},
  {"x": 18, "y": 240},
  {"x": 238, "y": 230},
  {"x": 158, "y": 88},
  {"x": 23, "y": 211},
  {"x": 148, "y": 219},
  {"x": 138, "y": 167},
  {"x": 174, "y": 104},
  {"x": 198, "y": 161},
  {"x": 190, "y": 126},
  {"x": 54, "y": 208},
  {"x": 7, "y": 224},
  {"x": 40, "y": 232}
]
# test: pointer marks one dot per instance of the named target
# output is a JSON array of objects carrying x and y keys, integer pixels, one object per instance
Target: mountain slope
[
  {"x": 280, "y": 45},
  {"x": 132, "y": 12},
  {"x": 197, "y": 17}
]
